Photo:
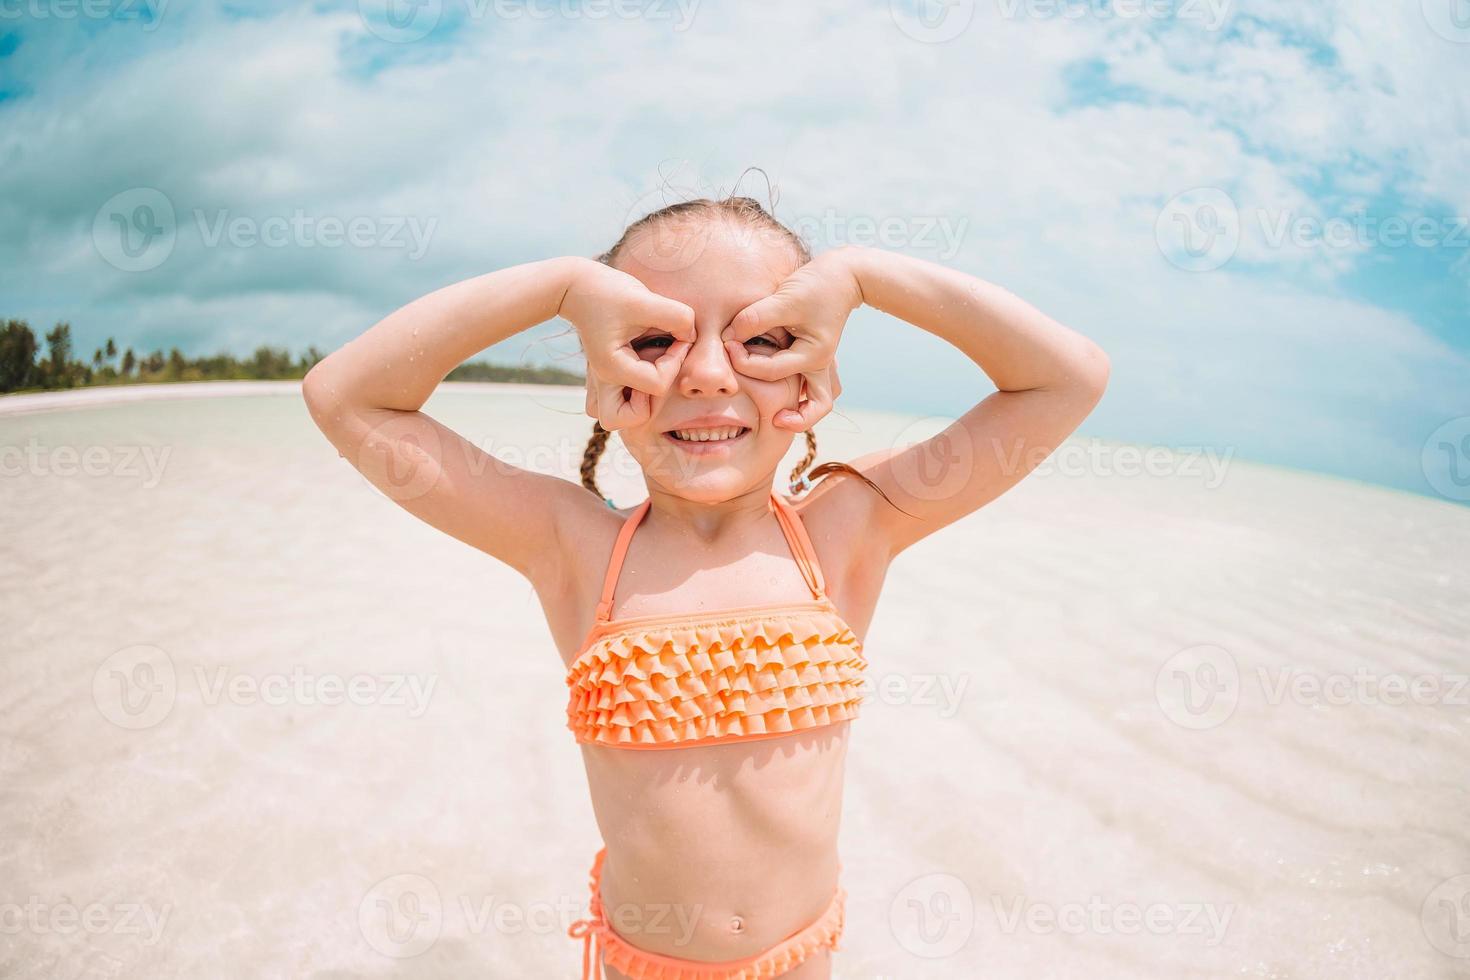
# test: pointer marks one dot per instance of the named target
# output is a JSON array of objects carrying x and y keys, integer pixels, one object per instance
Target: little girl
[{"x": 710, "y": 634}]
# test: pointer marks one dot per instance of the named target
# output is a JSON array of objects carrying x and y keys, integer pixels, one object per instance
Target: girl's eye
[
  {"x": 662, "y": 342},
  {"x": 652, "y": 343}
]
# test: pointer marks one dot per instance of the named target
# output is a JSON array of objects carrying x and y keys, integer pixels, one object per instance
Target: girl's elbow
[
  {"x": 1096, "y": 368},
  {"x": 322, "y": 390},
  {"x": 314, "y": 388}
]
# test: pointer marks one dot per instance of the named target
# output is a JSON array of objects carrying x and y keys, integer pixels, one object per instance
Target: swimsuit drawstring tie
[
  {"x": 589, "y": 930},
  {"x": 586, "y": 930}
]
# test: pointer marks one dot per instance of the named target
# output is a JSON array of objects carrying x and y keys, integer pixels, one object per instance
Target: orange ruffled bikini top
[{"x": 669, "y": 681}]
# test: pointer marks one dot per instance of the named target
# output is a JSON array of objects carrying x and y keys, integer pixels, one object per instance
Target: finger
[
  {"x": 668, "y": 364},
  {"x": 740, "y": 358},
  {"x": 627, "y": 368},
  {"x": 616, "y": 412},
  {"x": 809, "y": 412},
  {"x": 764, "y": 314},
  {"x": 773, "y": 367},
  {"x": 789, "y": 418},
  {"x": 661, "y": 313},
  {"x": 607, "y": 396},
  {"x": 638, "y": 408},
  {"x": 632, "y": 409}
]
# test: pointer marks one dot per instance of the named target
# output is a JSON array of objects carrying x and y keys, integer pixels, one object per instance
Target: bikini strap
[
  {"x": 791, "y": 527},
  {"x": 615, "y": 563},
  {"x": 801, "y": 545}
]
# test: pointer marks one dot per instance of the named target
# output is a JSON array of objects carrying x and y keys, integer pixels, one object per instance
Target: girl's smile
[{"x": 721, "y": 440}]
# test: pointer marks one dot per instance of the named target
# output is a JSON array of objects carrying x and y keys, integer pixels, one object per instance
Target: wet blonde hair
[{"x": 748, "y": 211}]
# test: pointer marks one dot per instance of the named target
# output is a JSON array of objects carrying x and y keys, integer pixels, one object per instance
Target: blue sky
[{"x": 1258, "y": 208}]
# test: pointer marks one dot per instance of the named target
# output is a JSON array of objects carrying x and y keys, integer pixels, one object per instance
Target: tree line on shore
[{"x": 27, "y": 364}]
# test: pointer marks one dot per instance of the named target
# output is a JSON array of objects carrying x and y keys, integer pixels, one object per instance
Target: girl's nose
[{"x": 707, "y": 369}]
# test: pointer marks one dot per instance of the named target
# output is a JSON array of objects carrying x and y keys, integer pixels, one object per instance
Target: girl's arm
[
  {"x": 1050, "y": 378},
  {"x": 366, "y": 398}
]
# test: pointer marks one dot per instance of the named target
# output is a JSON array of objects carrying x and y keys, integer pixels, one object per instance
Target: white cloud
[{"x": 524, "y": 138}]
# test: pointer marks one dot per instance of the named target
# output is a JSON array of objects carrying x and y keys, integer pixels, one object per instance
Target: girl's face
[{"x": 711, "y": 437}]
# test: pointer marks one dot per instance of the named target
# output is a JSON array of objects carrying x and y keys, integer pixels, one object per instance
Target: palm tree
[
  {"x": 58, "y": 364},
  {"x": 17, "y": 355}
]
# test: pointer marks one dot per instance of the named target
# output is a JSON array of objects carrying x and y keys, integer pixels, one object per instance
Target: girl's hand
[
  {"x": 610, "y": 310},
  {"x": 812, "y": 305}
]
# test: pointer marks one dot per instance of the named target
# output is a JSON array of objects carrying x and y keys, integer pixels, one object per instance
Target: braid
[
  {"x": 591, "y": 455},
  {"x": 801, "y": 483},
  {"x": 798, "y": 482}
]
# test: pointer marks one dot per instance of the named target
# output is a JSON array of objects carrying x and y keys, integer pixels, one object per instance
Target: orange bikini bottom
[{"x": 599, "y": 941}]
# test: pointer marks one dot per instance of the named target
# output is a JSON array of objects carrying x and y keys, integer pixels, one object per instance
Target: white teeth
[{"x": 708, "y": 435}]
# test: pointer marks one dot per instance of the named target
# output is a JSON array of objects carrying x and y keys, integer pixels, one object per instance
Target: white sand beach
[{"x": 1209, "y": 720}]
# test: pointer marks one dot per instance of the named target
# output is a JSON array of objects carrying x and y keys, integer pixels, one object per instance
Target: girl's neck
[{"x": 708, "y": 521}]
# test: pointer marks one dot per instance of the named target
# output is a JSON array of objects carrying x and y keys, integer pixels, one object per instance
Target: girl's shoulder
[{"x": 586, "y": 528}]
